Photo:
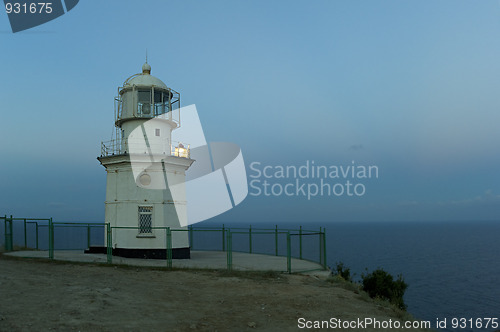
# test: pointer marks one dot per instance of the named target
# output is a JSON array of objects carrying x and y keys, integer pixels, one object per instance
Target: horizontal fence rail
[{"x": 45, "y": 234}]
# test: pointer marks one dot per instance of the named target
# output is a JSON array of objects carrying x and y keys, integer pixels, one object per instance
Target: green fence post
[
  {"x": 5, "y": 232},
  {"x": 11, "y": 234},
  {"x": 300, "y": 242},
  {"x": 88, "y": 236},
  {"x": 6, "y": 235},
  {"x": 169, "y": 248},
  {"x": 288, "y": 253},
  {"x": 36, "y": 233},
  {"x": 190, "y": 230},
  {"x": 223, "y": 238},
  {"x": 25, "y": 237},
  {"x": 109, "y": 239},
  {"x": 51, "y": 239},
  {"x": 9, "y": 239},
  {"x": 324, "y": 248},
  {"x": 276, "y": 240},
  {"x": 250, "y": 239},
  {"x": 320, "y": 245},
  {"x": 229, "y": 251}
]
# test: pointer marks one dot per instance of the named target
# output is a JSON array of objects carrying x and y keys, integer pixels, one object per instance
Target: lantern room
[{"x": 145, "y": 96}]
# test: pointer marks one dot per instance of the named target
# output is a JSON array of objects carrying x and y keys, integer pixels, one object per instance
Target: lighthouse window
[
  {"x": 161, "y": 102},
  {"x": 144, "y": 105},
  {"x": 145, "y": 219},
  {"x": 157, "y": 102}
]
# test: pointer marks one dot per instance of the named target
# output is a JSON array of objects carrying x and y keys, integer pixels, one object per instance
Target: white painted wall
[{"x": 124, "y": 194}]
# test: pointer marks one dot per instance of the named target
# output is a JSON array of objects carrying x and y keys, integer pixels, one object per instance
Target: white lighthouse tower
[{"x": 145, "y": 189}]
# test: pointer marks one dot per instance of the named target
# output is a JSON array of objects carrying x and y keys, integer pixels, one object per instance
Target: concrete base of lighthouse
[{"x": 177, "y": 253}]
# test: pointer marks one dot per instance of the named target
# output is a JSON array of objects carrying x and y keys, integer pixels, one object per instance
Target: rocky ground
[{"x": 40, "y": 295}]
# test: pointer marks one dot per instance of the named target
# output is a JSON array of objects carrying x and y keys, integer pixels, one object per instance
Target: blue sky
[{"x": 411, "y": 87}]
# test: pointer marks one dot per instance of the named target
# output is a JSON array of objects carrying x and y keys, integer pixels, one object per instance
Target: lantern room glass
[
  {"x": 144, "y": 102},
  {"x": 151, "y": 103}
]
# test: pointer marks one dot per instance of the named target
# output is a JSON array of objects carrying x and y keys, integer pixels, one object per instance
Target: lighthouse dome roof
[{"x": 145, "y": 79}]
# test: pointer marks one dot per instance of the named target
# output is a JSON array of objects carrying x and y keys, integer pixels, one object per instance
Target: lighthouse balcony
[
  {"x": 117, "y": 147},
  {"x": 147, "y": 104}
]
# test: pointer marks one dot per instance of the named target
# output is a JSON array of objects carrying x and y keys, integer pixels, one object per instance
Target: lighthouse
[{"x": 145, "y": 191}]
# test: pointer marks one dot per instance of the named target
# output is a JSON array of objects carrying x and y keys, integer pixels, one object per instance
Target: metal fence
[
  {"x": 26, "y": 223},
  {"x": 298, "y": 243},
  {"x": 45, "y": 234},
  {"x": 39, "y": 234}
]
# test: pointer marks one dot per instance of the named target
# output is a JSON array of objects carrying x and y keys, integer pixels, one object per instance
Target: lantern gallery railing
[
  {"x": 117, "y": 147},
  {"x": 111, "y": 148}
]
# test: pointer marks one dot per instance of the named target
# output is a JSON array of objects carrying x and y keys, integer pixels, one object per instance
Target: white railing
[
  {"x": 115, "y": 147},
  {"x": 111, "y": 148}
]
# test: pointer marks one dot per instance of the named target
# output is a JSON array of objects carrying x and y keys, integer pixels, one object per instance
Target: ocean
[{"x": 452, "y": 268}]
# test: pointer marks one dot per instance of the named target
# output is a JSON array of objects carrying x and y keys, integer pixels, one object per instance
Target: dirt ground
[{"x": 49, "y": 296}]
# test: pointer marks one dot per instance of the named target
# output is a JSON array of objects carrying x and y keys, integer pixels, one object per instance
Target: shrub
[
  {"x": 342, "y": 271},
  {"x": 380, "y": 284}
]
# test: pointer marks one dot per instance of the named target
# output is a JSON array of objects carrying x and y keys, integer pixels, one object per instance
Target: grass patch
[{"x": 348, "y": 285}]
